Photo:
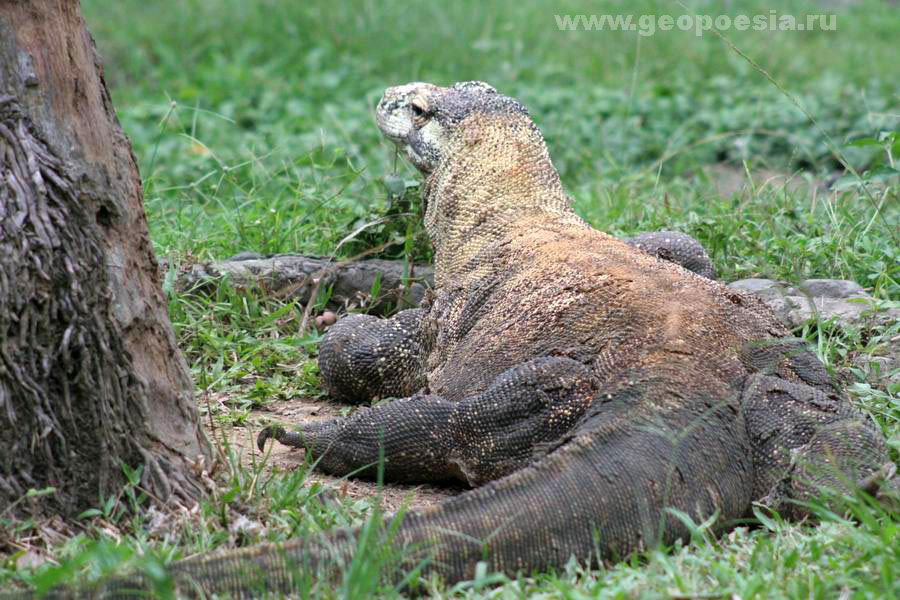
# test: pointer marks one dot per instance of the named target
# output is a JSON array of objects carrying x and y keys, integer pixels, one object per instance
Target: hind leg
[
  {"x": 427, "y": 438},
  {"x": 809, "y": 442},
  {"x": 807, "y": 438}
]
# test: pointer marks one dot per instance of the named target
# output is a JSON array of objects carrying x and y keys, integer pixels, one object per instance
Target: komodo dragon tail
[
  {"x": 605, "y": 490},
  {"x": 622, "y": 481}
]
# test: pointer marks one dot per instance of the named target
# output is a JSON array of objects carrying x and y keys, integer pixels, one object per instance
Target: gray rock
[
  {"x": 831, "y": 288},
  {"x": 757, "y": 286},
  {"x": 825, "y": 299}
]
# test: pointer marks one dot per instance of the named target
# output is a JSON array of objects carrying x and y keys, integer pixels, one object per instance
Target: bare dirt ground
[
  {"x": 730, "y": 180},
  {"x": 298, "y": 411}
]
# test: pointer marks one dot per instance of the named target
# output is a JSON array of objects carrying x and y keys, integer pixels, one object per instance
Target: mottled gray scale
[
  {"x": 803, "y": 440},
  {"x": 427, "y": 438}
]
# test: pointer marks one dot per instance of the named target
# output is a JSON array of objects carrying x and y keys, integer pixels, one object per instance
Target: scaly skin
[
  {"x": 678, "y": 248},
  {"x": 585, "y": 385}
]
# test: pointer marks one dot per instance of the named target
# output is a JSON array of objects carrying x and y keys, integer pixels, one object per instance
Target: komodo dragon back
[{"x": 587, "y": 386}]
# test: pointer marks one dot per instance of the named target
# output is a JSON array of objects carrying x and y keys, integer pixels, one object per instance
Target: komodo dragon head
[
  {"x": 484, "y": 160},
  {"x": 423, "y": 119}
]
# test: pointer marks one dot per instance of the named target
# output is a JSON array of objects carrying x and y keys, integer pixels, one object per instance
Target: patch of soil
[
  {"x": 730, "y": 180},
  {"x": 299, "y": 411}
]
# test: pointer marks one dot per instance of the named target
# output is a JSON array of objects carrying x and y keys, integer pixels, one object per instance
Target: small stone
[
  {"x": 756, "y": 286},
  {"x": 844, "y": 300},
  {"x": 832, "y": 288}
]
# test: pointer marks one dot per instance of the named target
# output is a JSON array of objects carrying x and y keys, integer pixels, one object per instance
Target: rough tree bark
[{"x": 90, "y": 375}]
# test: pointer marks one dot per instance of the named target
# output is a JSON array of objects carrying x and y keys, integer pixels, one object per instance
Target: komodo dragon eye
[{"x": 420, "y": 111}]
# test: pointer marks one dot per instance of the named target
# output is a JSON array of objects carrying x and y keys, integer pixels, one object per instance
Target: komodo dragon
[{"x": 586, "y": 386}]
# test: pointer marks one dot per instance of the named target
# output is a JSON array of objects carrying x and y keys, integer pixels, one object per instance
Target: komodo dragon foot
[{"x": 363, "y": 357}]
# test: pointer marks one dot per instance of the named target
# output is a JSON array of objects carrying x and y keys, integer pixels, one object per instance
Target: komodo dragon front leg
[
  {"x": 676, "y": 247},
  {"x": 363, "y": 357},
  {"x": 479, "y": 439}
]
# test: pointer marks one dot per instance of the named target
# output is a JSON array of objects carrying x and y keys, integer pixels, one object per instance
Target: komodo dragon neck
[{"x": 497, "y": 175}]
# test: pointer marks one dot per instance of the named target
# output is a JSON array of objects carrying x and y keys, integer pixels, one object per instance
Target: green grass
[{"x": 252, "y": 125}]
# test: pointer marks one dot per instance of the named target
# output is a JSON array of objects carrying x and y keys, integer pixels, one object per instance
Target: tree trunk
[{"x": 90, "y": 376}]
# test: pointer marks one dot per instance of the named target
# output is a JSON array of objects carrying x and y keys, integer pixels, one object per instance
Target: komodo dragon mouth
[{"x": 586, "y": 389}]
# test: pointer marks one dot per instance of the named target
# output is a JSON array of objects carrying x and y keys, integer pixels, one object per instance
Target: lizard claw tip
[{"x": 272, "y": 431}]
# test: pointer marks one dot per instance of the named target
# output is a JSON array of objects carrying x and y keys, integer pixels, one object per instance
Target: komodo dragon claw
[{"x": 272, "y": 431}]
